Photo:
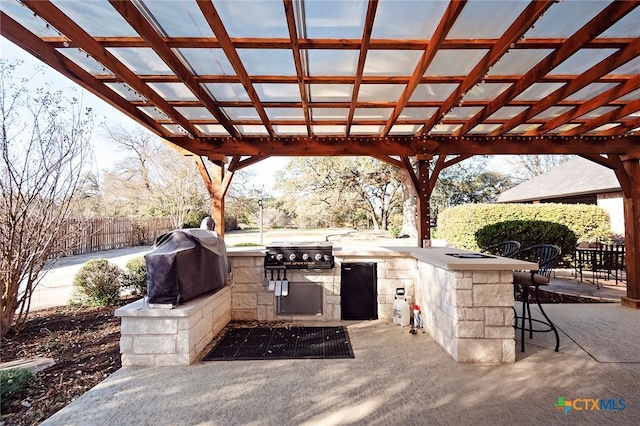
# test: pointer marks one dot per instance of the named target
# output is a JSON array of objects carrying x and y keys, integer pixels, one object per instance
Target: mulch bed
[{"x": 84, "y": 342}]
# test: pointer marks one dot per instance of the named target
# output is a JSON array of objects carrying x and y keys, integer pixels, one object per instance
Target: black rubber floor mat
[{"x": 282, "y": 343}]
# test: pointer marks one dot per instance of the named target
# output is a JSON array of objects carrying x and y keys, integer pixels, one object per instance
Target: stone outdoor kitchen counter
[{"x": 466, "y": 304}]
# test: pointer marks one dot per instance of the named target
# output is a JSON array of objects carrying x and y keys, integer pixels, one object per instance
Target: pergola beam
[
  {"x": 326, "y": 146},
  {"x": 341, "y": 44}
]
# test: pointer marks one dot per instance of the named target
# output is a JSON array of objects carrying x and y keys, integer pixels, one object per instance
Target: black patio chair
[
  {"x": 503, "y": 249},
  {"x": 546, "y": 256}
]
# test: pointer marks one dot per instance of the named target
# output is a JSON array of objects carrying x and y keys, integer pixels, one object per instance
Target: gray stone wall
[
  {"x": 161, "y": 337},
  {"x": 469, "y": 313}
]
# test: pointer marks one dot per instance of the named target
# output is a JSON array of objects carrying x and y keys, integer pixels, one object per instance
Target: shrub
[
  {"x": 458, "y": 225},
  {"x": 394, "y": 231},
  {"x": 97, "y": 283},
  {"x": 135, "y": 276},
  {"x": 194, "y": 219},
  {"x": 13, "y": 383},
  {"x": 248, "y": 245},
  {"x": 529, "y": 233}
]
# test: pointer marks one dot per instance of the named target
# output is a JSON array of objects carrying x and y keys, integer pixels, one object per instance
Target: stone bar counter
[{"x": 466, "y": 303}]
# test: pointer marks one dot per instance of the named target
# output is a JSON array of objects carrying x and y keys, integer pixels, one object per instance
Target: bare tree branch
[{"x": 45, "y": 155}]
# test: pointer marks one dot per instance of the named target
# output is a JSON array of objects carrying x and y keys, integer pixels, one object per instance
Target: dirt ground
[{"x": 84, "y": 342}]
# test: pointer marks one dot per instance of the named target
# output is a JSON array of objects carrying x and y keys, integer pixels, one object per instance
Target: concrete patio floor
[{"x": 395, "y": 378}]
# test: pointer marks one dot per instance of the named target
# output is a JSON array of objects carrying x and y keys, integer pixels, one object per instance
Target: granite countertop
[{"x": 438, "y": 256}]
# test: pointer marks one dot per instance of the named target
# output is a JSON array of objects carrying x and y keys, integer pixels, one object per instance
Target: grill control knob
[
  {"x": 279, "y": 256},
  {"x": 292, "y": 257},
  {"x": 318, "y": 257},
  {"x": 305, "y": 257},
  {"x": 327, "y": 258}
]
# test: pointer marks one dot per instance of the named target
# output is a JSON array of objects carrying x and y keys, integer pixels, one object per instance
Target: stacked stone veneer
[
  {"x": 251, "y": 300},
  {"x": 469, "y": 313},
  {"x": 157, "y": 337}
]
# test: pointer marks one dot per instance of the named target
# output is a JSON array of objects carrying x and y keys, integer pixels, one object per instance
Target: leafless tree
[
  {"x": 45, "y": 154},
  {"x": 153, "y": 180},
  {"x": 530, "y": 166}
]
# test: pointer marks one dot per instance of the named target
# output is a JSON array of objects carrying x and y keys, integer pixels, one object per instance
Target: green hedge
[
  {"x": 458, "y": 225},
  {"x": 529, "y": 233}
]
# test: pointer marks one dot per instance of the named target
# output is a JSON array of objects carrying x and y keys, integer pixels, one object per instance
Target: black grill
[
  {"x": 282, "y": 343},
  {"x": 299, "y": 255}
]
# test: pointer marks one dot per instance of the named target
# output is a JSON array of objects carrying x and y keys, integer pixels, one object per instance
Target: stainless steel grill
[{"x": 299, "y": 255}]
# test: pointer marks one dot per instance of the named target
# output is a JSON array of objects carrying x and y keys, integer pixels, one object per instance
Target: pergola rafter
[
  {"x": 614, "y": 61},
  {"x": 212, "y": 17},
  {"x": 438, "y": 83},
  {"x": 154, "y": 40},
  {"x": 606, "y": 18}
]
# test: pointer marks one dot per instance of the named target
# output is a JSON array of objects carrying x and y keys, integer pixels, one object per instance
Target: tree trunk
[{"x": 409, "y": 207}]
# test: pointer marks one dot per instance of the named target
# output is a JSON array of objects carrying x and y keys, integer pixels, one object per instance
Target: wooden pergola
[{"x": 409, "y": 83}]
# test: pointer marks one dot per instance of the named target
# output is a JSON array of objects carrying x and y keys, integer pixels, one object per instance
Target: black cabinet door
[{"x": 358, "y": 291}]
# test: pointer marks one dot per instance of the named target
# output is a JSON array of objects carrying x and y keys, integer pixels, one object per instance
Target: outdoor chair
[
  {"x": 503, "y": 249},
  {"x": 546, "y": 256}
]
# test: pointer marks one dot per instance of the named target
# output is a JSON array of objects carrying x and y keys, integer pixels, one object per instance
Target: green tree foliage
[
  {"x": 336, "y": 191},
  {"x": 468, "y": 182}
]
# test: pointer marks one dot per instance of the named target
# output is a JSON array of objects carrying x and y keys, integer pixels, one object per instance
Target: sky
[{"x": 105, "y": 155}]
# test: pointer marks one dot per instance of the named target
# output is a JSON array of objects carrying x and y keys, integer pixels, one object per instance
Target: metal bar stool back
[
  {"x": 546, "y": 256},
  {"x": 504, "y": 248}
]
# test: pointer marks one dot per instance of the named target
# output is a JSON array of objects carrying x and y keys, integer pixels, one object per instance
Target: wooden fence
[{"x": 90, "y": 235}]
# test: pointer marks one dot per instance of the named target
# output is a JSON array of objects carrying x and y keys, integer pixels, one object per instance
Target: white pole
[{"x": 260, "y": 206}]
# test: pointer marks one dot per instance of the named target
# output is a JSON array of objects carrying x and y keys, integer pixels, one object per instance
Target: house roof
[
  {"x": 574, "y": 177},
  {"x": 356, "y": 77}
]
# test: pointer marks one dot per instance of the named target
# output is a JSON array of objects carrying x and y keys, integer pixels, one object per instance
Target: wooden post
[
  {"x": 424, "y": 194},
  {"x": 217, "y": 196},
  {"x": 213, "y": 182},
  {"x": 632, "y": 232}
]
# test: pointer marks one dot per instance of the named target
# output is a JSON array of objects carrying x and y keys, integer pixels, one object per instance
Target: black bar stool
[{"x": 546, "y": 256}]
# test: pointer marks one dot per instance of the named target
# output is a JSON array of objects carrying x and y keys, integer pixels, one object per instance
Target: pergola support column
[
  {"x": 632, "y": 231},
  {"x": 217, "y": 197},
  {"x": 424, "y": 195},
  {"x": 213, "y": 181}
]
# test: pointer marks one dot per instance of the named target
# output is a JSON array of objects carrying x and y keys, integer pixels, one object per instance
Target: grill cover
[{"x": 185, "y": 264}]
